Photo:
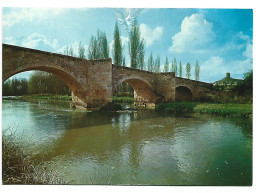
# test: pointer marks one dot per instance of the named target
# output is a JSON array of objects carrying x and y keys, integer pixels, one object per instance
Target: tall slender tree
[
  {"x": 188, "y": 70},
  {"x": 81, "y": 51},
  {"x": 166, "y": 65},
  {"x": 136, "y": 47},
  {"x": 180, "y": 69},
  {"x": 197, "y": 71},
  {"x": 174, "y": 66},
  {"x": 117, "y": 47},
  {"x": 123, "y": 61},
  {"x": 157, "y": 64},
  {"x": 150, "y": 63}
]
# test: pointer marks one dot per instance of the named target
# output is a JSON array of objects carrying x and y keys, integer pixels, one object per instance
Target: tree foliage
[
  {"x": 157, "y": 64},
  {"x": 117, "y": 47},
  {"x": 166, "y": 65},
  {"x": 136, "y": 47},
  {"x": 150, "y": 63},
  {"x": 197, "y": 71},
  {"x": 15, "y": 87},
  {"x": 98, "y": 46},
  {"x": 188, "y": 70},
  {"x": 81, "y": 50},
  {"x": 43, "y": 82},
  {"x": 246, "y": 86},
  {"x": 180, "y": 69},
  {"x": 174, "y": 66}
]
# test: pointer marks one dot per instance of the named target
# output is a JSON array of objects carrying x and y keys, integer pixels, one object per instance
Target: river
[{"x": 139, "y": 148}]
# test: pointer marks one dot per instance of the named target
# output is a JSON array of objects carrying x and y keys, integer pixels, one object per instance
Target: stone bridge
[{"x": 92, "y": 82}]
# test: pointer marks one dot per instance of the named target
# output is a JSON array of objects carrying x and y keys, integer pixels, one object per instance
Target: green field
[{"x": 242, "y": 110}]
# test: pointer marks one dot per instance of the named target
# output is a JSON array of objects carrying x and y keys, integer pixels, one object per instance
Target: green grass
[
  {"x": 123, "y": 99},
  {"x": 241, "y": 110},
  {"x": 175, "y": 107},
  {"x": 47, "y": 96}
]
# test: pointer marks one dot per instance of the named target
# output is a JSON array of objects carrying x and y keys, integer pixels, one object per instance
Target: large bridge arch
[
  {"x": 143, "y": 91},
  {"x": 183, "y": 93},
  {"x": 68, "y": 79}
]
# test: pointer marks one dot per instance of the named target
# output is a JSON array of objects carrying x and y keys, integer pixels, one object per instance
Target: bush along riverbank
[
  {"x": 240, "y": 110},
  {"x": 18, "y": 166}
]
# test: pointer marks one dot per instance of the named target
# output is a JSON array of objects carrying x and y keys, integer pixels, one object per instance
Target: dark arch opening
[
  {"x": 183, "y": 93},
  {"x": 142, "y": 92}
]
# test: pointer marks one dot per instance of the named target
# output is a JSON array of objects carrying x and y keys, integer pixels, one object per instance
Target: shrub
[{"x": 18, "y": 166}]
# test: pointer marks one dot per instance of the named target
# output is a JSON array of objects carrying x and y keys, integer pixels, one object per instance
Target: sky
[{"x": 220, "y": 39}]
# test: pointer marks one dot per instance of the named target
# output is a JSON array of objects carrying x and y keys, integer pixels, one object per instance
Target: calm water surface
[{"x": 141, "y": 147}]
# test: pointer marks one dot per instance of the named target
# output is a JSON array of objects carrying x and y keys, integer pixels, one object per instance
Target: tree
[
  {"x": 71, "y": 51},
  {"x": 174, "y": 66},
  {"x": 166, "y": 65},
  {"x": 157, "y": 64},
  {"x": 188, "y": 70},
  {"x": 98, "y": 46},
  {"x": 180, "y": 69},
  {"x": 150, "y": 63},
  {"x": 117, "y": 47},
  {"x": 197, "y": 71},
  {"x": 136, "y": 47},
  {"x": 81, "y": 50},
  {"x": 123, "y": 62},
  {"x": 45, "y": 83},
  {"x": 141, "y": 56}
]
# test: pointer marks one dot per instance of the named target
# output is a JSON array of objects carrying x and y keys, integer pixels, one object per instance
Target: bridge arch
[
  {"x": 183, "y": 93},
  {"x": 142, "y": 88},
  {"x": 67, "y": 78}
]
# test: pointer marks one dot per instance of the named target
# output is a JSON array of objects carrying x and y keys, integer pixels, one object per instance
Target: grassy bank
[
  {"x": 241, "y": 110},
  {"x": 18, "y": 166},
  {"x": 47, "y": 96}
]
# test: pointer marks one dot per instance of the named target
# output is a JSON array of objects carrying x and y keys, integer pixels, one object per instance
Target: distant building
[{"x": 227, "y": 82}]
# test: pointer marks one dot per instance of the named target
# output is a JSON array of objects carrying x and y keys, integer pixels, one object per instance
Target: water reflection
[{"x": 137, "y": 148}]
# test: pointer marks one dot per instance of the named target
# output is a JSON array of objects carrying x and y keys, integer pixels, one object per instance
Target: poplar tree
[
  {"x": 174, "y": 66},
  {"x": 188, "y": 70},
  {"x": 150, "y": 63},
  {"x": 81, "y": 50},
  {"x": 166, "y": 65},
  {"x": 136, "y": 47},
  {"x": 117, "y": 47},
  {"x": 157, "y": 64},
  {"x": 180, "y": 69},
  {"x": 197, "y": 71}
]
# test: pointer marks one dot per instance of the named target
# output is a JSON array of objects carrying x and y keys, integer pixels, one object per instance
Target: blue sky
[{"x": 220, "y": 39}]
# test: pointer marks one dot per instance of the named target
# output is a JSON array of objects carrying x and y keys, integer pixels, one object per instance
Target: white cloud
[
  {"x": 195, "y": 33},
  {"x": 23, "y": 15},
  {"x": 249, "y": 51},
  {"x": 216, "y": 67},
  {"x": 150, "y": 35},
  {"x": 75, "y": 47},
  {"x": 35, "y": 41}
]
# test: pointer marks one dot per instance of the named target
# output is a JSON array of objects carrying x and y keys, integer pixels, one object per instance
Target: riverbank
[
  {"x": 240, "y": 110},
  {"x": 116, "y": 99},
  {"x": 47, "y": 96},
  {"x": 19, "y": 167}
]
